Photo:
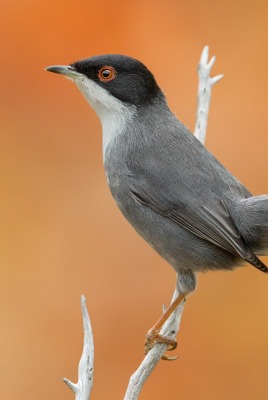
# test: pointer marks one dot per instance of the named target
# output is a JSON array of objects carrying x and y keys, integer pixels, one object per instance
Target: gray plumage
[{"x": 174, "y": 192}]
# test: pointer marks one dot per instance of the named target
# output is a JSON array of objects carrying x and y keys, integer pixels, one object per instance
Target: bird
[{"x": 171, "y": 189}]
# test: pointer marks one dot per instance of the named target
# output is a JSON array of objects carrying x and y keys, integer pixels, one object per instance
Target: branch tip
[
  {"x": 83, "y": 299},
  {"x": 211, "y": 62},
  {"x": 71, "y": 385},
  {"x": 204, "y": 55},
  {"x": 216, "y": 79},
  {"x": 83, "y": 388}
]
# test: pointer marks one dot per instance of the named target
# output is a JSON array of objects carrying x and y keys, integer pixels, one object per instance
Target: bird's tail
[{"x": 252, "y": 221}]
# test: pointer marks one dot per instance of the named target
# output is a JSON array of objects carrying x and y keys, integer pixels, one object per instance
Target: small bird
[{"x": 171, "y": 189}]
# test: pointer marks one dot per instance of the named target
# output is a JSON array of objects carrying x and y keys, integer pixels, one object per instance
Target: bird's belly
[{"x": 179, "y": 247}]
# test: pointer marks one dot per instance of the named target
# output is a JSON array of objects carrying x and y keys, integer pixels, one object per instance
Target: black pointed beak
[{"x": 66, "y": 70}]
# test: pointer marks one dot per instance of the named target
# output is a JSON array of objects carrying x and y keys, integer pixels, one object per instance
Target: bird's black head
[{"x": 124, "y": 77}]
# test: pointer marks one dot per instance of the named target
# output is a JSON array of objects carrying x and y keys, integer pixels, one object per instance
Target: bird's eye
[{"x": 106, "y": 73}]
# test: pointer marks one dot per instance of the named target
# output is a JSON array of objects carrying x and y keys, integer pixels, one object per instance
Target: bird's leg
[{"x": 153, "y": 336}]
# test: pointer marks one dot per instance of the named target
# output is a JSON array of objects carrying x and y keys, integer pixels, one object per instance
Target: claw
[
  {"x": 172, "y": 346},
  {"x": 154, "y": 337},
  {"x": 167, "y": 358}
]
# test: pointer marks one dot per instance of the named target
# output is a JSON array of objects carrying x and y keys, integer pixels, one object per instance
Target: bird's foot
[{"x": 154, "y": 337}]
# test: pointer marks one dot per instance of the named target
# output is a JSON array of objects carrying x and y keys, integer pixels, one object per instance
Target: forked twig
[
  {"x": 83, "y": 387},
  {"x": 204, "y": 93}
]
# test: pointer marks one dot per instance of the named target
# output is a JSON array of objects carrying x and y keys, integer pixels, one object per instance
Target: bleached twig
[
  {"x": 204, "y": 93},
  {"x": 150, "y": 361},
  {"x": 83, "y": 387}
]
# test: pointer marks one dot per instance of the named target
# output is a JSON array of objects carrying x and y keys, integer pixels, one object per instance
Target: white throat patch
[{"x": 113, "y": 113}]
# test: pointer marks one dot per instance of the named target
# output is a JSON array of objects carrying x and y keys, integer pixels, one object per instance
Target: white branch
[
  {"x": 204, "y": 93},
  {"x": 83, "y": 387}
]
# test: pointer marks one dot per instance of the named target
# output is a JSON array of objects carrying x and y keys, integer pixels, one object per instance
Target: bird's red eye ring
[{"x": 106, "y": 73}]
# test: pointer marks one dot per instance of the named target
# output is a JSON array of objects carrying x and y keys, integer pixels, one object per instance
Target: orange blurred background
[{"x": 61, "y": 233}]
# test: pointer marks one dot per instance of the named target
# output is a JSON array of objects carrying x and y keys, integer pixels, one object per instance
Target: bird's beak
[{"x": 66, "y": 70}]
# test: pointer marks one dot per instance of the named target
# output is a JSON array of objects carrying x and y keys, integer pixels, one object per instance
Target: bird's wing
[
  {"x": 214, "y": 226},
  {"x": 169, "y": 194}
]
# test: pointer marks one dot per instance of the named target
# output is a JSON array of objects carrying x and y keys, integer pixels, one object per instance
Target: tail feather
[
  {"x": 251, "y": 217},
  {"x": 257, "y": 263}
]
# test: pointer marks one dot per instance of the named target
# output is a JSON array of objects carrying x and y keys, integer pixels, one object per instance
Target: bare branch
[
  {"x": 83, "y": 387},
  {"x": 204, "y": 93}
]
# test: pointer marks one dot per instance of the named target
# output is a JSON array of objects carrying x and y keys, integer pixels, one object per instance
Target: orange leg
[{"x": 153, "y": 336}]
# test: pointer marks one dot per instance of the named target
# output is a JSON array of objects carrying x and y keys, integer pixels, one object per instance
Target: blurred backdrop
[{"x": 61, "y": 233}]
